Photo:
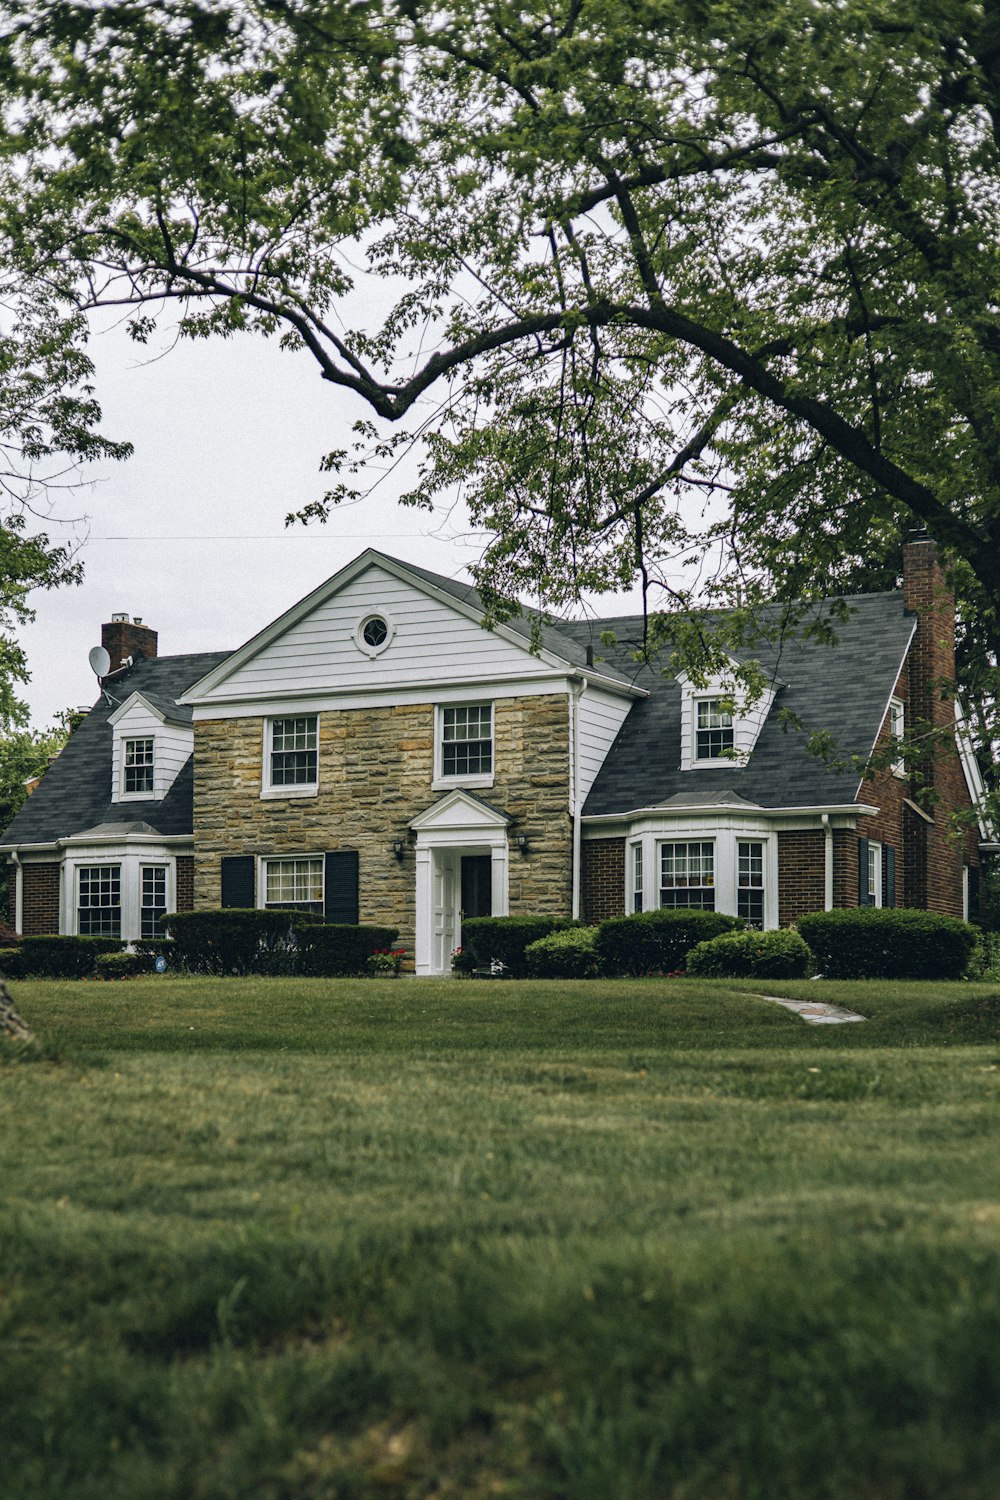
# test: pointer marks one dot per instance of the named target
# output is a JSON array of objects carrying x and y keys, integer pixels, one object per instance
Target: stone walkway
[{"x": 815, "y": 1011}]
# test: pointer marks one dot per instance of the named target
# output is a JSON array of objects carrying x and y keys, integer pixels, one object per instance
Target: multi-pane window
[
  {"x": 294, "y": 883},
  {"x": 152, "y": 900},
  {"x": 467, "y": 740},
  {"x": 750, "y": 882},
  {"x": 897, "y": 728},
  {"x": 293, "y": 751},
  {"x": 99, "y": 903},
  {"x": 714, "y": 733},
  {"x": 137, "y": 766},
  {"x": 874, "y": 880},
  {"x": 687, "y": 875},
  {"x": 637, "y": 877}
]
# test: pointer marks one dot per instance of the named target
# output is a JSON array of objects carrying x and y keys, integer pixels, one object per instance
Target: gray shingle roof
[
  {"x": 843, "y": 688},
  {"x": 75, "y": 792}
]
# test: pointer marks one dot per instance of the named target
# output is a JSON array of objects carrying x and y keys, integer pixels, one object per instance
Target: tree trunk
[{"x": 11, "y": 1023}]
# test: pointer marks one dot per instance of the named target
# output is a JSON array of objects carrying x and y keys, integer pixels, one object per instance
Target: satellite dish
[{"x": 100, "y": 661}]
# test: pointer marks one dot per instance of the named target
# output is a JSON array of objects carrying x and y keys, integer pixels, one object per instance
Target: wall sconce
[
  {"x": 522, "y": 844},
  {"x": 398, "y": 848}
]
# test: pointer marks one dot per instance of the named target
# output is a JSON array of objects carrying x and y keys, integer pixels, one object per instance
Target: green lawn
[{"x": 320, "y": 1240}]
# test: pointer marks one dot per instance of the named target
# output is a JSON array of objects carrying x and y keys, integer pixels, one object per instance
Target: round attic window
[{"x": 374, "y": 634}]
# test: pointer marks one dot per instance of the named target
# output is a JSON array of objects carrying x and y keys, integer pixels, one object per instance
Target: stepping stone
[{"x": 816, "y": 1012}]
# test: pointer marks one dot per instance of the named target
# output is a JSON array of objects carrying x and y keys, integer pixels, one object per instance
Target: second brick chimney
[
  {"x": 928, "y": 595},
  {"x": 122, "y": 637}
]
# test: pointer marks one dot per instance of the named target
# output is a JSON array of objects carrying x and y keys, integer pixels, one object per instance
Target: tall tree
[{"x": 641, "y": 251}]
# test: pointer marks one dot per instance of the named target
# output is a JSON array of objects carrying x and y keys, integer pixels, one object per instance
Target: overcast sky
[{"x": 189, "y": 532}]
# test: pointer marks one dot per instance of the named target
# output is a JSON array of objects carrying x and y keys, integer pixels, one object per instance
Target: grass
[{"x": 607, "y": 1241}]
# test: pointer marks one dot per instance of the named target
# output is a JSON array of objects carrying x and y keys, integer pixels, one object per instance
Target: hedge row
[
  {"x": 249, "y": 941},
  {"x": 233, "y": 941},
  {"x": 879, "y": 943},
  {"x": 853, "y": 943}
]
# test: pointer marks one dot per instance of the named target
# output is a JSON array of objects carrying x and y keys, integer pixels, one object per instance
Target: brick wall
[
  {"x": 801, "y": 874},
  {"x": 40, "y": 899},
  {"x": 845, "y": 867},
  {"x": 376, "y": 766},
  {"x": 185, "y": 882},
  {"x": 603, "y": 879}
]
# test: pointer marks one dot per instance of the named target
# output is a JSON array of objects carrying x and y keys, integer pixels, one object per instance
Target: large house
[{"x": 377, "y": 755}]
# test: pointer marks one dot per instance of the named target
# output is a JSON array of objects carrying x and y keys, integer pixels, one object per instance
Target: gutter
[
  {"x": 860, "y": 809},
  {"x": 827, "y": 862},
  {"x": 18, "y": 894},
  {"x": 576, "y": 801},
  {"x": 15, "y": 850}
]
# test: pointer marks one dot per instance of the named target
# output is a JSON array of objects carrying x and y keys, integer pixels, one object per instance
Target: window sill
[
  {"x": 275, "y": 793},
  {"x": 451, "y": 783},
  {"x": 137, "y": 797}
]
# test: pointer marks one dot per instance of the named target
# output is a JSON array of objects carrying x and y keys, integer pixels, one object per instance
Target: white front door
[{"x": 445, "y": 908}]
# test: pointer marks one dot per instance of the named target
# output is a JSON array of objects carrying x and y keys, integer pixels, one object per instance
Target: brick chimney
[
  {"x": 928, "y": 594},
  {"x": 122, "y": 637}
]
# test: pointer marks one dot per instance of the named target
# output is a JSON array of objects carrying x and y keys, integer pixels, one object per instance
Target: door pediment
[{"x": 460, "y": 811}]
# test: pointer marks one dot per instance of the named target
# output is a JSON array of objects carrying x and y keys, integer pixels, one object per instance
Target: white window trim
[
  {"x": 152, "y": 864},
  {"x": 263, "y": 860},
  {"x": 725, "y": 837},
  {"x": 711, "y": 760},
  {"x": 268, "y": 792},
  {"x": 631, "y": 871},
  {"x": 359, "y": 639},
  {"x": 441, "y": 782},
  {"x": 131, "y": 861},
  {"x": 875, "y": 864},
  {"x": 897, "y": 711},
  {"x": 123, "y": 795}
]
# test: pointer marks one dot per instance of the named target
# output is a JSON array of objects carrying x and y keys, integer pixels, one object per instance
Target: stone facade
[{"x": 376, "y": 767}]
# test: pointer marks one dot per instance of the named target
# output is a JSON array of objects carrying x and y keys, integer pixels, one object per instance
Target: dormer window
[
  {"x": 137, "y": 768},
  {"x": 721, "y": 720},
  {"x": 714, "y": 734}
]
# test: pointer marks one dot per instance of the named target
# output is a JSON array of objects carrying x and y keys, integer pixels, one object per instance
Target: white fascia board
[
  {"x": 432, "y": 690},
  {"x": 204, "y": 688},
  {"x": 54, "y": 845},
  {"x": 127, "y": 704},
  {"x": 889, "y": 697},
  {"x": 970, "y": 769},
  {"x": 727, "y": 809}
]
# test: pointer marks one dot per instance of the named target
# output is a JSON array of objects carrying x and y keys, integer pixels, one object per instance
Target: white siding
[
  {"x": 431, "y": 642},
  {"x": 172, "y": 744},
  {"x": 600, "y": 718}
]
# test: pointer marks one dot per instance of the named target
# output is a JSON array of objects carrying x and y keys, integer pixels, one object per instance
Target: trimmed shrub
[
  {"x": 153, "y": 947},
  {"x": 657, "y": 942},
  {"x": 506, "y": 938},
  {"x": 867, "y": 942},
  {"x": 53, "y": 957},
  {"x": 10, "y": 963},
  {"x": 122, "y": 965},
  {"x": 336, "y": 950},
  {"x": 566, "y": 954},
  {"x": 233, "y": 940},
  {"x": 751, "y": 955}
]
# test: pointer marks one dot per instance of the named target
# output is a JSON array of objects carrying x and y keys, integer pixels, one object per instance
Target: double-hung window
[
  {"x": 137, "y": 767},
  {"x": 714, "y": 729},
  {"x": 687, "y": 875},
  {"x": 874, "y": 874},
  {"x": 750, "y": 882},
  {"x": 467, "y": 741},
  {"x": 152, "y": 900},
  {"x": 637, "y": 877},
  {"x": 99, "y": 901},
  {"x": 295, "y": 884},
  {"x": 292, "y": 756}
]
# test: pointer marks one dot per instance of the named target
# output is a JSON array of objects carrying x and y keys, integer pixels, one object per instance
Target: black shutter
[
  {"x": 889, "y": 875},
  {"x": 864, "y": 898},
  {"x": 341, "y": 890},
  {"x": 238, "y": 880},
  {"x": 973, "y": 893}
]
